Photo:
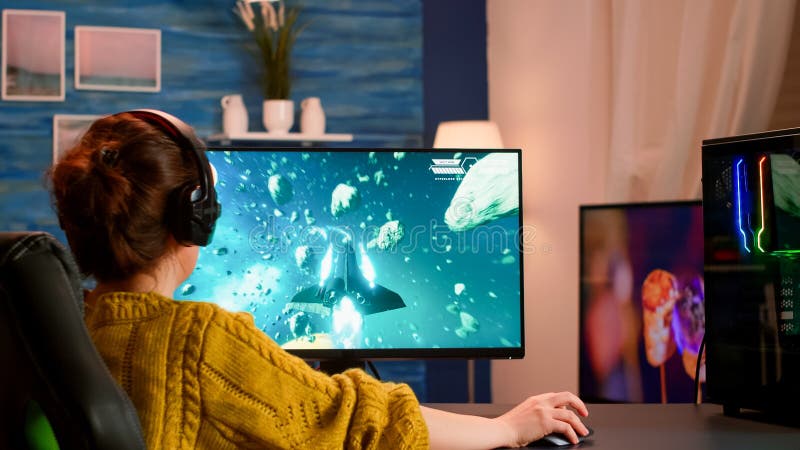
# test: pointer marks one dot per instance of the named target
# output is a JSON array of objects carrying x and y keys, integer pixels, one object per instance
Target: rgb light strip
[
  {"x": 761, "y": 205},
  {"x": 739, "y": 203}
]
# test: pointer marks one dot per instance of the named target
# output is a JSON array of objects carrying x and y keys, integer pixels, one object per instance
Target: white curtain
[
  {"x": 609, "y": 101},
  {"x": 683, "y": 71}
]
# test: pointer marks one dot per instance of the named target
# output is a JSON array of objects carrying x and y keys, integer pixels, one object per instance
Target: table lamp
[{"x": 468, "y": 134}]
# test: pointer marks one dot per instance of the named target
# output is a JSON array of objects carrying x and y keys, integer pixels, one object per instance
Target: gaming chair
[{"x": 55, "y": 389}]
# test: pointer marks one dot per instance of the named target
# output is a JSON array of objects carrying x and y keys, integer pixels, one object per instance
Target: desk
[{"x": 665, "y": 427}]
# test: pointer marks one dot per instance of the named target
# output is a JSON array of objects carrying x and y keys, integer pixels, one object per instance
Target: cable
[
  {"x": 374, "y": 370},
  {"x": 697, "y": 391}
]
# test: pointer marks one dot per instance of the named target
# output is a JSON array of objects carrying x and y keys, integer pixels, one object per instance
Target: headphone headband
[{"x": 184, "y": 136}]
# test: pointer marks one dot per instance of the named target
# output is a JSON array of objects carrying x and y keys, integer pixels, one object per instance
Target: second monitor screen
[{"x": 641, "y": 301}]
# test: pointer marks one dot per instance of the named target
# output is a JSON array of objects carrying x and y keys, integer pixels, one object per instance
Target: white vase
[
  {"x": 312, "y": 117},
  {"x": 278, "y": 116},
  {"x": 234, "y": 115}
]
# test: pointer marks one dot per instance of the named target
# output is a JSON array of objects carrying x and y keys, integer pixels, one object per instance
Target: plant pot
[{"x": 278, "y": 116}]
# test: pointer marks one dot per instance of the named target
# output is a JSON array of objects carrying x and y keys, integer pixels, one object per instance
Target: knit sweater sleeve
[{"x": 256, "y": 394}]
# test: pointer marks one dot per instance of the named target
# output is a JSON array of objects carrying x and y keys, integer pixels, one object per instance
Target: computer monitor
[
  {"x": 641, "y": 301},
  {"x": 369, "y": 253}
]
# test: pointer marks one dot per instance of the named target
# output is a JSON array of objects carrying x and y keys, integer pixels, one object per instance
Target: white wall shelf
[{"x": 304, "y": 139}]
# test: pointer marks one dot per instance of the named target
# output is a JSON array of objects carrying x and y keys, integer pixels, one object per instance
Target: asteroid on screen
[
  {"x": 468, "y": 326},
  {"x": 389, "y": 235},
  {"x": 280, "y": 189},
  {"x": 488, "y": 191},
  {"x": 343, "y": 199}
]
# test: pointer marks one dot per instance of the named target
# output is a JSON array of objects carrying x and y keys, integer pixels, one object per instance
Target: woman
[{"x": 135, "y": 199}]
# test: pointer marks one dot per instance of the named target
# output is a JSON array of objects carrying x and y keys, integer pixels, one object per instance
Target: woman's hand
[{"x": 544, "y": 414}]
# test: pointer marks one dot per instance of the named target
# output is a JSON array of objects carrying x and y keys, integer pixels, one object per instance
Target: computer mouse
[{"x": 558, "y": 440}]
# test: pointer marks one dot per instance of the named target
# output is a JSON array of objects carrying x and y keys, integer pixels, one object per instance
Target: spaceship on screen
[{"x": 341, "y": 276}]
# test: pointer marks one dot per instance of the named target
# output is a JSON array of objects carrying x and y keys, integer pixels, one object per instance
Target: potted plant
[{"x": 275, "y": 31}]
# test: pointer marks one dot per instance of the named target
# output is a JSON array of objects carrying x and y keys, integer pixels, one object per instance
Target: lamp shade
[{"x": 468, "y": 134}]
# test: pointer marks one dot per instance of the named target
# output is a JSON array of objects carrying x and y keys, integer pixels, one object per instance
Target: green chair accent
[{"x": 39, "y": 434}]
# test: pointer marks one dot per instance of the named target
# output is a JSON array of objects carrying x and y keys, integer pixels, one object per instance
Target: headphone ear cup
[{"x": 180, "y": 214}]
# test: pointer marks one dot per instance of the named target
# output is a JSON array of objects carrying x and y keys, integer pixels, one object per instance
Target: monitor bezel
[
  {"x": 581, "y": 256},
  {"x": 411, "y": 353}
]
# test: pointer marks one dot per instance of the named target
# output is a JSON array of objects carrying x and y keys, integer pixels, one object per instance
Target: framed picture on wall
[
  {"x": 118, "y": 59},
  {"x": 67, "y": 129},
  {"x": 33, "y": 55}
]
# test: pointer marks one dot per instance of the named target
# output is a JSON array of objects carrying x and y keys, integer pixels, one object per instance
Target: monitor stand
[{"x": 334, "y": 366}]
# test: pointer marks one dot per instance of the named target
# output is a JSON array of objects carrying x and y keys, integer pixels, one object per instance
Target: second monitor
[{"x": 641, "y": 301}]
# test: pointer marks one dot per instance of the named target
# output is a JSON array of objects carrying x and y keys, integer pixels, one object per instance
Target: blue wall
[
  {"x": 367, "y": 60},
  {"x": 364, "y": 59},
  {"x": 454, "y": 63}
]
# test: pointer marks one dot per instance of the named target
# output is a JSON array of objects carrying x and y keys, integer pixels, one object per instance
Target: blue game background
[{"x": 250, "y": 265}]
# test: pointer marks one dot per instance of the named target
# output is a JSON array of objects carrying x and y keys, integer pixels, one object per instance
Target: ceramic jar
[
  {"x": 312, "y": 117},
  {"x": 234, "y": 115}
]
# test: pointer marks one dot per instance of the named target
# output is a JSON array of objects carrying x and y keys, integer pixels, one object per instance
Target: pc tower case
[{"x": 751, "y": 216}]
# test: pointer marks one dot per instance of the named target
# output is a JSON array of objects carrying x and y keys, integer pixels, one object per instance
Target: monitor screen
[
  {"x": 641, "y": 301},
  {"x": 367, "y": 253}
]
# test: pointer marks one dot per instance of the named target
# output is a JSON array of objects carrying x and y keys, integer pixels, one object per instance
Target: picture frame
[
  {"x": 117, "y": 59},
  {"x": 33, "y": 69},
  {"x": 67, "y": 129}
]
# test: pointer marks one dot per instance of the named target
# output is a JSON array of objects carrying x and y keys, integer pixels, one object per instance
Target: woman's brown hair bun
[{"x": 111, "y": 193}]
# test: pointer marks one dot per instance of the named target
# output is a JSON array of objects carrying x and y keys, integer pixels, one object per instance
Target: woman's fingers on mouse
[
  {"x": 565, "y": 398},
  {"x": 545, "y": 414},
  {"x": 572, "y": 420},
  {"x": 566, "y": 430}
]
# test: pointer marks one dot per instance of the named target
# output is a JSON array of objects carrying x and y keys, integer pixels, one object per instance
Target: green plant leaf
[{"x": 275, "y": 47}]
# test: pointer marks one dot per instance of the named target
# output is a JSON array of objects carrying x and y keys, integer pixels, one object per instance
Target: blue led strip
[{"x": 739, "y": 202}]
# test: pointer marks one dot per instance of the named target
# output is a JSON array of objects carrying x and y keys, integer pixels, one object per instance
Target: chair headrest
[{"x": 15, "y": 246}]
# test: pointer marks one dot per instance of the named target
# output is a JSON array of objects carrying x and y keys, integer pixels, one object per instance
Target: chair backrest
[{"x": 48, "y": 361}]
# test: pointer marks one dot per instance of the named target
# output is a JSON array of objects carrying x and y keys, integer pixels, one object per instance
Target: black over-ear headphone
[{"x": 194, "y": 209}]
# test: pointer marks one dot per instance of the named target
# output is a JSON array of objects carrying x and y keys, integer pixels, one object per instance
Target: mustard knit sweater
[{"x": 201, "y": 377}]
